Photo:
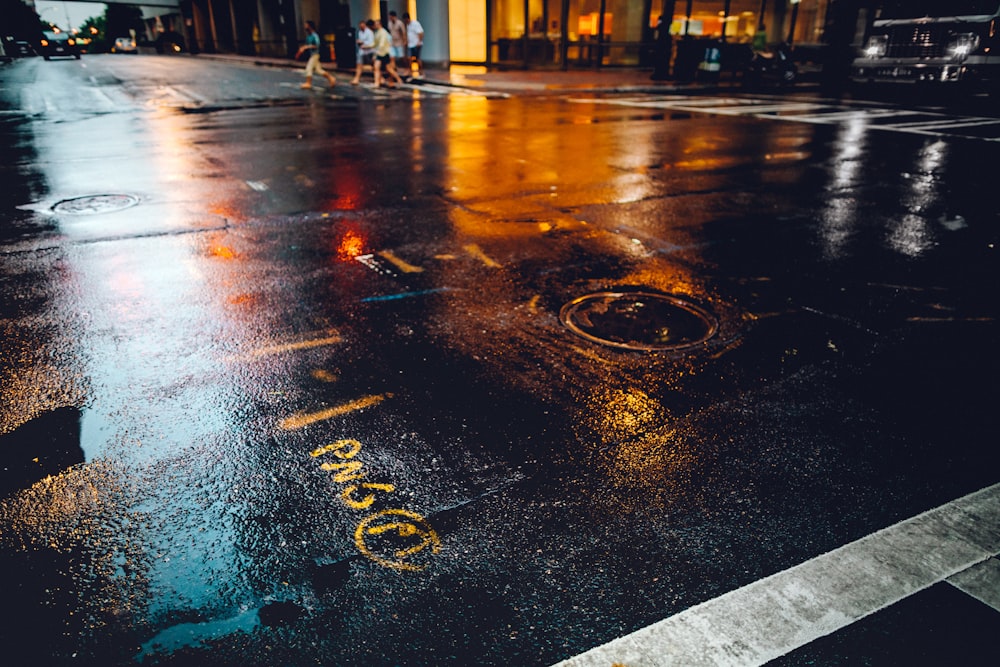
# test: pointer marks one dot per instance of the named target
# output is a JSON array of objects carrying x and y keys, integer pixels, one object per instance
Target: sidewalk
[{"x": 626, "y": 79}]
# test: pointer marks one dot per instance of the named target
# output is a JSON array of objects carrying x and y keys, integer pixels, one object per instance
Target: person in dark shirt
[{"x": 313, "y": 66}]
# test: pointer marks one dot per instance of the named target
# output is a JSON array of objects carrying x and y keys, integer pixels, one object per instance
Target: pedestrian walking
[
  {"x": 313, "y": 66},
  {"x": 383, "y": 57},
  {"x": 366, "y": 50},
  {"x": 397, "y": 30},
  {"x": 415, "y": 43}
]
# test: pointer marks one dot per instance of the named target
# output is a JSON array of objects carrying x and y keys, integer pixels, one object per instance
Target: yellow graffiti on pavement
[
  {"x": 389, "y": 529},
  {"x": 366, "y": 502},
  {"x": 342, "y": 449},
  {"x": 404, "y": 524},
  {"x": 346, "y": 472}
]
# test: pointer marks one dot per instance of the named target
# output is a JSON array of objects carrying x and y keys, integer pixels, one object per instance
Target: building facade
[{"x": 523, "y": 33}]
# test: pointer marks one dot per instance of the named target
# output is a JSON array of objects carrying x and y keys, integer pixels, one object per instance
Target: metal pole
[
  {"x": 795, "y": 16},
  {"x": 600, "y": 34},
  {"x": 524, "y": 37},
  {"x": 564, "y": 34},
  {"x": 687, "y": 18},
  {"x": 760, "y": 16},
  {"x": 725, "y": 17}
]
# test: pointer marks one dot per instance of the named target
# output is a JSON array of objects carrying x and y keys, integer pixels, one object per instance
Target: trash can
[{"x": 345, "y": 48}]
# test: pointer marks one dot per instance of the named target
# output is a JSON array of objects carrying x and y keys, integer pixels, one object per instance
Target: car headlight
[
  {"x": 45, "y": 42},
  {"x": 70, "y": 42},
  {"x": 962, "y": 44},
  {"x": 877, "y": 46}
]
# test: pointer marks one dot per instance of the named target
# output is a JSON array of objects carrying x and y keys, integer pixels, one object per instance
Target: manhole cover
[
  {"x": 93, "y": 204},
  {"x": 638, "y": 320}
]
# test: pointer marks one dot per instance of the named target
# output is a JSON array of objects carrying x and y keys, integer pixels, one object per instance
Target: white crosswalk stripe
[
  {"x": 819, "y": 112},
  {"x": 956, "y": 542}
]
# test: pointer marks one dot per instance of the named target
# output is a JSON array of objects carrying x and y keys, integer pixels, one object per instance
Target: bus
[{"x": 945, "y": 42}]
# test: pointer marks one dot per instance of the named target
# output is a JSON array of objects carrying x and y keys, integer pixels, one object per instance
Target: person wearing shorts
[
  {"x": 397, "y": 30},
  {"x": 415, "y": 42},
  {"x": 383, "y": 57},
  {"x": 366, "y": 50}
]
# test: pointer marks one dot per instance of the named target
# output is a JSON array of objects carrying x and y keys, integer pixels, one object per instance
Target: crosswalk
[
  {"x": 47, "y": 102},
  {"x": 889, "y": 119},
  {"x": 955, "y": 543}
]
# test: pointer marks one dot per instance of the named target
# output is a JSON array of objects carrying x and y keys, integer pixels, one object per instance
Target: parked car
[
  {"x": 58, "y": 44},
  {"x": 19, "y": 49},
  {"x": 124, "y": 45}
]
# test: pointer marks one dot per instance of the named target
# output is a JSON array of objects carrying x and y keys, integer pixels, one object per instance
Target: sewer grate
[
  {"x": 638, "y": 320},
  {"x": 94, "y": 204}
]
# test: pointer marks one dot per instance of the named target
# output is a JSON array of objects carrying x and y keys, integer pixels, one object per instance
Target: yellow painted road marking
[
  {"x": 292, "y": 347},
  {"x": 306, "y": 418},
  {"x": 400, "y": 263},
  {"x": 324, "y": 375},
  {"x": 477, "y": 252}
]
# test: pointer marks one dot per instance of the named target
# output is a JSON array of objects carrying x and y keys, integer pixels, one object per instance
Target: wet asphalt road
[{"x": 297, "y": 390}]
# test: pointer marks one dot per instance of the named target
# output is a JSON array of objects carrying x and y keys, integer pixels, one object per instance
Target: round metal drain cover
[
  {"x": 93, "y": 204},
  {"x": 638, "y": 320}
]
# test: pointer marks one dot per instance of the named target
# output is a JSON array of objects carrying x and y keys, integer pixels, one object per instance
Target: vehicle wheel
[
  {"x": 78, "y": 56},
  {"x": 47, "y": 57}
]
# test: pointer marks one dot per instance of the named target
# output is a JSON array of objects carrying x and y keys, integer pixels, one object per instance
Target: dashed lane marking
[
  {"x": 400, "y": 263},
  {"x": 270, "y": 350},
  {"x": 477, "y": 252},
  {"x": 302, "y": 419},
  {"x": 771, "y": 617}
]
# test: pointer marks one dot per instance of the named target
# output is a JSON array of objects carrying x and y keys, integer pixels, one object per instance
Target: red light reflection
[{"x": 352, "y": 244}]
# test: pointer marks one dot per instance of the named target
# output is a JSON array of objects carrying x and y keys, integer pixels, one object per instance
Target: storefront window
[
  {"x": 809, "y": 23},
  {"x": 525, "y": 31},
  {"x": 709, "y": 19},
  {"x": 531, "y": 31}
]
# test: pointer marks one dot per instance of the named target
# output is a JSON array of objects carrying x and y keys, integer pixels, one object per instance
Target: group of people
[
  {"x": 378, "y": 47},
  {"x": 384, "y": 49}
]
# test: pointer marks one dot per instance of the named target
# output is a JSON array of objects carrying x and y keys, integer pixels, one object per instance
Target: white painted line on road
[
  {"x": 851, "y": 115},
  {"x": 981, "y": 581},
  {"x": 947, "y": 123},
  {"x": 454, "y": 90},
  {"x": 773, "y": 616},
  {"x": 939, "y": 125}
]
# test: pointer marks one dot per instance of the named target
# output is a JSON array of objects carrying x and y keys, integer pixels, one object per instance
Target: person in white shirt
[
  {"x": 366, "y": 50},
  {"x": 414, "y": 42}
]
